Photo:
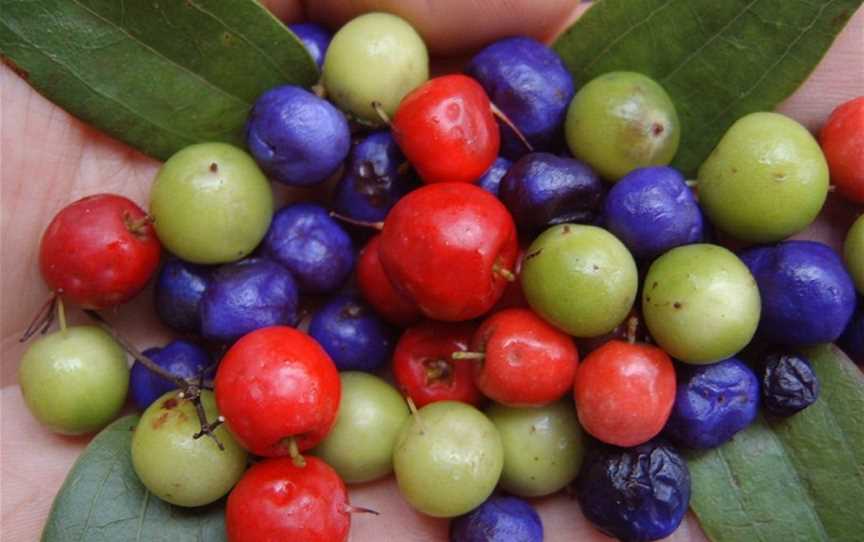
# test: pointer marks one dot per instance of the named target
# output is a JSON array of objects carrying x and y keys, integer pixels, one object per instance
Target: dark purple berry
[
  {"x": 491, "y": 180},
  {"x": 178, "y": 292},
  {"x": 499, "y": 519},
  {"x": 789, "y": 384},
  {"x": 852, "y": 339},
  {"x": 315, "y": 38},
  {"x": 181, "y": 358},
  {"x": 354, "y": 336}
]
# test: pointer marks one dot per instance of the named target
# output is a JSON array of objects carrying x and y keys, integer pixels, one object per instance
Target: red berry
[
  {"x": 526, "y": 361},
  {"x": 842, "y": 140},
  {"x": 446, "y": 129},
  {"x": 277, "y": 500},
  {"x": 624, "y": 392},
  {"x": 448, "y": 247},
  {"x": 378, "y": 290},
  {"x": 276, "y": 383},
  {"x": 425, "y": 370},
  {"x": 99, "y": 251}
]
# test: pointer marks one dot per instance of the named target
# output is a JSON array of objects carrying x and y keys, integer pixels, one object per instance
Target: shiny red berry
[
  {"x": 842, "y": 140},
  {"x": 446, "y": 129},
  {"x": 99, "y": 251},
  {"x": 378, "y": 290}
]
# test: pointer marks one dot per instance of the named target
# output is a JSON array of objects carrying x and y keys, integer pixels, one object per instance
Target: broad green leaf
[
  {"x": 795, "y": 479},
  {"x": 159, "y": 74},
  {"x": 718, "y": 59},
  {"x": 103, "y": 501}
]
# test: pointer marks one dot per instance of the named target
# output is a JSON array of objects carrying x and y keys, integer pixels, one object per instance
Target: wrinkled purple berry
[
  {"x": 178, "y": 292},
  {"x": 789, "y": 384},
  {"x": 181, "y": 358},
  {"x": 352, "y": 334},
  {"x": 491, "y": 180},
  {"x": 498, "y": 519},
  {"x": 315, "y": 38}
]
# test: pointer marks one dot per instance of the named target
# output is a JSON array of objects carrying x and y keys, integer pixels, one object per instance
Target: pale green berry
[{"x": 853, "y": 251}]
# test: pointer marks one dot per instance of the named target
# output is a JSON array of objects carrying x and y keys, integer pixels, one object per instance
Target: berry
[
  {"x": 179, "y": 289},
  {"x": 312, "y": 245},
  {"x": 712, "y": 403},
  {"x": 448, "y": 247},
  {"x": 374, "y": 58},
  {"x": 296, "y": 137},
  {"x": 74, "y": 381},
  {"x": 447, "y": 131},
  {"x": 277, "y": 389},
  {"x": 491, "y": 180},
  {"x": 174, "y": 465},
  {"x": 99, "y": 251},
  {"x": 637, "y": 494},
  {"x": 204, "y": 182},
  {"x": 621, "y": 121},
  {"x": 762, "y": 160},
  {"x": 853, "y": 252},
  {"x": 499, "y": 519},
  {"x": 852, "y": 340},
  {"x": 789, "y": 384},
  {"x": 277, "y": 500},
  {"x": 807, "y": 295},
  {"x": 529, "y": 82},
  {"x": 542, "y": 190},
  {"x": 179, "y": 357},
  {"x": 379, "y": 291},
  {"x": 424, "y": 368},
  {"x": 354, "y": 337},
  {"x": 245, "y": 296},
  {"x": 652, "y": 211},
  {"x": 315, "y": 38},
  {"x": 624, "y": 392},
  {"x": 842, "y": 140}
]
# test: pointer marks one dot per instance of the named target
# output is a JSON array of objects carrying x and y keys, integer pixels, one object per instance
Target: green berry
[{"x": 853, "y": 251}]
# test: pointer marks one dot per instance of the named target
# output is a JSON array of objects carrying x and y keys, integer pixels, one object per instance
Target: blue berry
[
  {"x": 182, "y": 358},
  {"x": 296, "y": 137},
  {"x": 491, "y": 180},
  {"x": 315, "y": 38},
  {"x": 312, "y": 245},
  {"x": 374, "y": 180},
  {"x": 354, "y": 336},
  {"x": 531, "y": 85},
  {"x": 178, "y": 292},
  {"x": 807, "y": 295},
  {"x": 542, "y": 189},
  {"x": 712, "y": 403},
  {"x": 499, "y": 519},
  {"x": 852, "y": 339},
  {"x": 245, "y": 296},
  {"x": 652, "y": 210},
  {"x": 789, "y": 384},
  {"x": 634, "y": 494}
]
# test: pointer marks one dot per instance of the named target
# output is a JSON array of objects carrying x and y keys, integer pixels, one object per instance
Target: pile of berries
[{"x": 484, "y": 229}]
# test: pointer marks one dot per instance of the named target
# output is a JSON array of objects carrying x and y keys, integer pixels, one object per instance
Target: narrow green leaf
[
  {"x": 103, "y": 501},
  {"x": 158, "y": 74},
  {"x": 719, "y": 60},
  {"x": 797, "y": 478}
]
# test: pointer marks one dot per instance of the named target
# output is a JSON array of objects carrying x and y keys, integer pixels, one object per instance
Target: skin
[
  {"x": 50, "y": 159},
  {"x": 853, "y": 253}
]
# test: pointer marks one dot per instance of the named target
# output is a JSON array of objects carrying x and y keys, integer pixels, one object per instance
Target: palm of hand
[{"x": 51, "y": 159}]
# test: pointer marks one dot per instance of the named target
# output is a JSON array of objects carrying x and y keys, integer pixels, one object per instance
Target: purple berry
[
  {"x": 491, "y": 180},
  {"x": 852, "y": 339},
  {"x": 178, "y": 292},
  {"x": 181, "y": 358},
  {"x": 354, "y": 336},
  {"x": 499, "y": 519},
  {"x": 315, "y": 38},
  {"x": 789, "y": 384}
]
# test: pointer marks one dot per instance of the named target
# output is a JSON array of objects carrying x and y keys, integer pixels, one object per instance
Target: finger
[{"x": 288, "y": 11}]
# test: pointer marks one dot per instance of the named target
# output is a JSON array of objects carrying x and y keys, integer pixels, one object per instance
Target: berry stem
[
  {"x": 468, "y": 355},
  {"x": 319, "y": 90},
  {"x": 61, "y": 314},
  {"x": 362, "y": 223},
  {"x": 503, "y": 272},
  {"x": 379, "y": 110},
  {"x": 415, "y": 413},
  {"x": 692, "y": 183},
  {"x": 506, "y": 120},
  {"x": 351, "y": 509},
  {"x": 294, "y": 452},
  {"x": 632, "y": 326}
]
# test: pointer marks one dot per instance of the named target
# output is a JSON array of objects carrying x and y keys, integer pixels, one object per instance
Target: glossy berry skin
[
  {"x": 374, "y": 179},
  {"x": 491, "y": 180},
  {"x": 296, "y": 137},
  {"x": 527, "y": 362},
  {"x": 277, "y": 383},
  {"x": 447, "y": 131},
  {"x": 842, "y": 141},
  {"x": 379, "y": 291},
  {"x": 425, "y": 370},
  {"x": 542, "y": 190},
  {"x": 789, "y": 384},
  {"x": 852, "y": 340},
  {"x": 652, "y": 210},
  {"x": 807, "y": 295},
  {"x": 440, "y": 246},
  {"x": 530, "y": 84},
  {"x": 624, "y": 392},
  {"x": 312, "y": 245},
  {"x": 177, "y": 296},
  {"x": 179, "y": 357},
  {"x": 499, "y": 519},
  {"x": 636, "y": 494},
  {"x": 712, "y": 403},
  {"x": 853, "y": 253},
  {"x": 245, "y": 296},
  {"x": 99, "y": 251},
  {"x": 352, "y": 334},
  {"x": 277, "y": 500},
  {"x": 315, "y": 38}
]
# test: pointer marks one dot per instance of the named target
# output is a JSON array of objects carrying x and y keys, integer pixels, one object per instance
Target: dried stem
[
  {"x": 43, "y": 319},
  {"x": 510, "y": 124},
  {"x": 354, "y": 222}
]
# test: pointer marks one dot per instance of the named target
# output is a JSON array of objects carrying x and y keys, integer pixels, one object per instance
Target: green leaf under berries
[
  {"x": 158, "y": 74},
  {"x": 797, "y": 478},
  {"x": 718, "y": 59},
  {"x": 103, "y": 501}
]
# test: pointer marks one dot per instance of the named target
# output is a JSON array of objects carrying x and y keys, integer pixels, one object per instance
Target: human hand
[{"x": 50, "y": 159}]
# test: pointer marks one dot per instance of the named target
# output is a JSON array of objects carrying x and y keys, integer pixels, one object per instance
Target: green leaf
[
  {"x": 718, "y": 59},
  {"x": 157, "y": 74},
  {"x": 797, "y": 478},
  {"x": 103, "y": 501}
]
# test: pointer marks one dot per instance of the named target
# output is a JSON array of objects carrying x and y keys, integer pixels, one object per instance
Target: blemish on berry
[
  {"x": 170, "y": 403},
  {"x": 657, "y": 129},
  {"x": 160, "y": 421},
  {"x": 214, "y": 167},
  {"x": 677, "y": 305},
  {"x": 533, "y": 254}
]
